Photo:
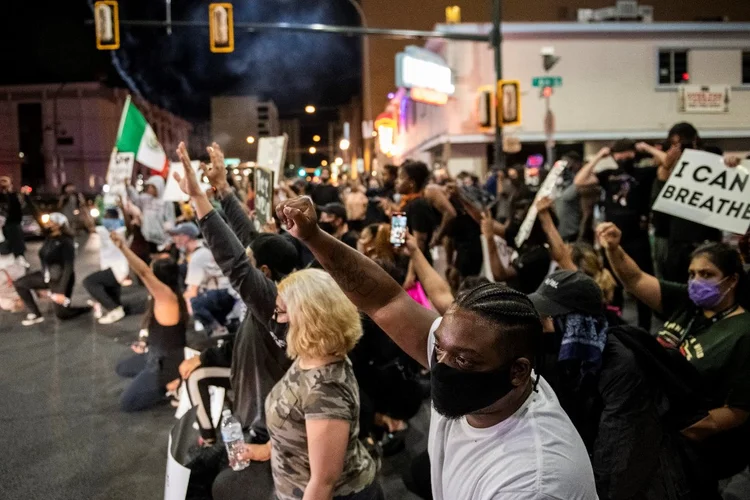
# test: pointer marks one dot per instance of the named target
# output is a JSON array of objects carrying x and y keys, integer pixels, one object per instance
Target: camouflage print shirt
[{"x": 328, "y": 392}]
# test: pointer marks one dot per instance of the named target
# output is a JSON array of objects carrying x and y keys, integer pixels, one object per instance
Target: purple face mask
[{"x": 705, "y": 294}]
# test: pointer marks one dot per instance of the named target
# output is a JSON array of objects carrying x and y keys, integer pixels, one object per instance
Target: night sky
[{"x": 178, "y": 72}]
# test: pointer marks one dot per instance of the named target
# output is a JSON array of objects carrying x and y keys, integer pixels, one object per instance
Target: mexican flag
[{"x": 136, "y": 136}]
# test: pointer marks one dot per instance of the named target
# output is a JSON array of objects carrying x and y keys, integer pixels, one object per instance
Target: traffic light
[
  {"x": 508, "y": 102},
  {"x": 453, "y": 14},
  {"x": 107, "y": 25},
  {"x": 221, "y": 27}
]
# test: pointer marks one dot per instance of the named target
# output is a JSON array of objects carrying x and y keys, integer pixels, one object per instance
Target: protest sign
[
  {"x": 703, "y": 189},
  {"x": 547, "y": 190},
  {"x": 120, "y": 170},
  {"x": 264, "y": 188},
  {"x": 172, "y": 191},
  {"x": 272, "y": 154}
]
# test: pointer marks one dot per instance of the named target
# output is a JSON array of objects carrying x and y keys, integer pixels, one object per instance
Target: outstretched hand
[
  {"x": 299, "y": 217},
  {"x": 217, "y": 171},
  {"x": 189, "y": 182}
]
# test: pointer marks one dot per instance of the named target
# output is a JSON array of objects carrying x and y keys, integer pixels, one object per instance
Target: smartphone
[{"x": 398, "y": 229}]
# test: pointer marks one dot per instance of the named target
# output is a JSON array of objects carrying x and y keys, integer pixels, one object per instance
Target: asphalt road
[{"x": 63, "y": 436}]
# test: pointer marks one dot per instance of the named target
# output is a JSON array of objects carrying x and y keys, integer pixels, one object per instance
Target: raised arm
[
  {"x": 370, "y": 288},
  {"x": 229, "y": 253},
  {"x": 645, "y": 287},
  {"x": 442, "y": 204},
  {"x": 499, "y": 271},
  {"x": 437, "y": 289},
  {"x": 657, "y": 154},
  {"x": 240, "y": 223},
  {"x": 557, "y": 248},
  {"x": 158, "y": 290},
  {"x": 586, "y": 176}
]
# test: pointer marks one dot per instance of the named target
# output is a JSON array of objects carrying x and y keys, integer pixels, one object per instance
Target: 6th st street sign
[{"x": 546, "y": 81}]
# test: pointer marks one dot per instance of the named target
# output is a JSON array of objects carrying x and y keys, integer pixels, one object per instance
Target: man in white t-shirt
[
  {"x": 497, "y": 431},
  {"x": 208, "y": 292}
]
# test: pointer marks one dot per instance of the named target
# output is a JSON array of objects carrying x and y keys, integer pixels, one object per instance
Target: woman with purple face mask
[{"x": 708, "y": 324}]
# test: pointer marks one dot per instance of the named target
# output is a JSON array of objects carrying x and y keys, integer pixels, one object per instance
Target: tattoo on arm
[{"x": 349, "y": 274}]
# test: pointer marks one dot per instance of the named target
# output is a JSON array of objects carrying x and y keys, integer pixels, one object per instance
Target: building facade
[
  {"x": 237, "y": 122},
  {"x": 58, "y": 133},
  {"x": 618, "y": 80},
  {"x": 424, "y": 14}
]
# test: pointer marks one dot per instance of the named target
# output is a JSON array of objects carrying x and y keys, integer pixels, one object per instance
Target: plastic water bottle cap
[{"x": 226, "y": 413}]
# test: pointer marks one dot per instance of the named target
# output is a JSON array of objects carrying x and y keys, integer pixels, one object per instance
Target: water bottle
[{"x": 234, "y": 440}]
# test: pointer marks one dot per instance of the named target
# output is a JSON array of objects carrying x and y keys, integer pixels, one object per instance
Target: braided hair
[{"x": 519, "y": 322}]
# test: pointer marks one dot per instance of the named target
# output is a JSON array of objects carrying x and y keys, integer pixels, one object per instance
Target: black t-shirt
[
  {"x": 421, "y": 218},
  {"x": 627, "y": 196},
  {"x": 719, "y": 350},
  {"x": 323, "y": 194},
  {"x": 659, "y": 220},
  {"x": 532, "y": 266}
]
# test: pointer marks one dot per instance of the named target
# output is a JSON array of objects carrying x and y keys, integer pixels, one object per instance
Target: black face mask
[
  {"x": 278, "y": 332},
  {"x": 328, "y": 227},
  {"x": 456, "y": 393},
  {"x": 627, "y": 164}
]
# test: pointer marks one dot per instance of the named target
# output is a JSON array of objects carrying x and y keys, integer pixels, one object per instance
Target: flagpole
[{"x": 122, "y": 119}]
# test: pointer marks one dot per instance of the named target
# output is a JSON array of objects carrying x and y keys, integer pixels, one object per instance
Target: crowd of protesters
[{"x": 539, "y": 387}]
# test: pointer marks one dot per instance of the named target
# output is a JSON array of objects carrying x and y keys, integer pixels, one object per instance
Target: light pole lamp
[{"x": 366, "y": 105}]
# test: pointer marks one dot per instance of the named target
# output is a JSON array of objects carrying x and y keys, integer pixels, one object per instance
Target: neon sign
[{"x": 420, "y": 68}]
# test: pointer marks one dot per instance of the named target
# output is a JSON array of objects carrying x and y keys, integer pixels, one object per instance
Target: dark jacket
[
  {"x": 630, "y": 415},
  {"x": 10, "y": 206},
  {"x": 257, "y": 362},
  {"x": 57, "y": 257}
]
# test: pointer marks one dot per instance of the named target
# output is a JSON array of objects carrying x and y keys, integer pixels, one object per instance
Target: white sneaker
[
  {"x": 219, "y": 331},
  {"x": 32, "y": 319},
  {"x": 112, "y": 316},
  {"x": 198, "y": 326},
  {"x": 96, "y": 308}
]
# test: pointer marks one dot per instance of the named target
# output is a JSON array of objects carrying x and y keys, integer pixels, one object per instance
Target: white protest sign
[
  {"x": 119, "y": 171},
  {"x": 172, "y": 191},
  {"x": 507, "y": 255},
  {"x": 272, "y": 154},
  {"x": 177, "y": 477},
  {"x": 263, "y": 195},
  {"x": 703, "y": 189},
  {"x": 548, "y": 189}
]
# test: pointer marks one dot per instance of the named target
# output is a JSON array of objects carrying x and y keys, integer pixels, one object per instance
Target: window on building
[
  {"x": 673, "y": 67},
  {"x": 746, "y": 67}
]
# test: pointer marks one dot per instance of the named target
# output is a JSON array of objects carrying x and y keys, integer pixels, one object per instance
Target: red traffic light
[{"x": 547, "y": 91}]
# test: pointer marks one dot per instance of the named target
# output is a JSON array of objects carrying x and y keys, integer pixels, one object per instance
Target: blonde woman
[{"x": 313, "y": 411}]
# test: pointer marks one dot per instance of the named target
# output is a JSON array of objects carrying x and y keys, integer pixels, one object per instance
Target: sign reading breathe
[{"x": 703, "y": 189}]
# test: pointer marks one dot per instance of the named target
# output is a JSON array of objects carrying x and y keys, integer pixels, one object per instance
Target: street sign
[{"x": 546, "y": 81}]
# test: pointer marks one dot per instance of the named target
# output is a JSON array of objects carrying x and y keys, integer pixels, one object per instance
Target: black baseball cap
[
  {"x": 622, "y": 146},
  {"x": 565, "y": 292},
  {"x": 336, "y": 209}
]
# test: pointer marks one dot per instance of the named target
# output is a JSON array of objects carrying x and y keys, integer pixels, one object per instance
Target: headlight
[
  {"x": 45, "y": 218},
  {"x": 94, "y": 212}
]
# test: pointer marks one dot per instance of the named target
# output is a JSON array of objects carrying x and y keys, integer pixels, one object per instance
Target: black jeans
[
  {"x": 35, "y": 281},
  {"x": 104, "y": 288},
  {"x": 14, "y": 236},
  {"x": 150, "y": 372},
  {"x": 212, "y": 308}
]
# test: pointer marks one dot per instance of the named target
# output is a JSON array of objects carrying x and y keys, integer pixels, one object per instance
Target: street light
[
  {"x": 339, "y": 161},
  {"x": 250, "y": 139},
  {"x": 316, "y": 138},
  {"x": 312, "y": 150},
  {"x": 324, "y": 163},
  {"x": 344, "y": 144},
  {"x": 309, "y": 109}
]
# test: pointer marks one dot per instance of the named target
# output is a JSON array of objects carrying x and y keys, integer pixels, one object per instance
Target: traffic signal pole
[{"x": 496, "y": 39}]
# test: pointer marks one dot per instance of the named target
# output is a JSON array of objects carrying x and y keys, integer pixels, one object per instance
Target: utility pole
[{"x": 497, "y": 41}]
